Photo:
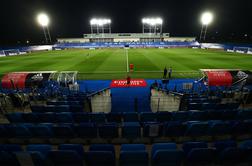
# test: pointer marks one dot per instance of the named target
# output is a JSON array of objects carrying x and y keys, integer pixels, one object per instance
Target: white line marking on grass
[{"x": 127, "y": 59}]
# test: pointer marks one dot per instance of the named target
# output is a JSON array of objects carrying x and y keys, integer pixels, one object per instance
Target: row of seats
[
  {"x": 161, "y": 154},
  {"x": 211, "y": 106},
  {"x": 128, "y": 130},
  {"x": 52, "y": 117},
  {"x": 57, "y": 108}
]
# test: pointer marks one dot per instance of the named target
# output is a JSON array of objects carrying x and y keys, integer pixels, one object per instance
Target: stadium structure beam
[{"x": 206, "y": 19}]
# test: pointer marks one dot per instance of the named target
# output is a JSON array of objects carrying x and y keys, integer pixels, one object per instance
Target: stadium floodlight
[
  {"x": 152, "y": 21},
  {"x": 44, "y": 21},
  {"x": 152, "y": 24},
  {"x": 206, "y": 19},
  {"x": 100, "y": 24}
]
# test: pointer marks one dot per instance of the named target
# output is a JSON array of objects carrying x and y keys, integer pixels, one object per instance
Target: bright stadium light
[
  {"x": 152, "y": 21},
  {"x": 100, "y": 25},
  {"x": 100, "y": 22},
  {"x": 44, "y": 21},
  {"x": 152, "y": 24},
  {"x": 206, "y": 19}
]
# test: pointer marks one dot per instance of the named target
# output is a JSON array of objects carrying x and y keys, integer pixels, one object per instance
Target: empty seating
[
  {"x": 65, "y": 158},
  {"x": 200, "y": 157},
  {"x": 101, "y": 154},
  {"x": 130, "y": 117},
  {"x": 166, "y": 154},
  {"x": 42, "y": 148},
  {"x": 131, "y": 130},
  {"x": 73, "y": 147},
  {"x": 108, "y": 130}
]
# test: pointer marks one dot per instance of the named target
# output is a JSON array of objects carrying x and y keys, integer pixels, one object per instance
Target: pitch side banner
[
  {"x": 123, "y": 83},
  {"x": 24, "y": 80}
]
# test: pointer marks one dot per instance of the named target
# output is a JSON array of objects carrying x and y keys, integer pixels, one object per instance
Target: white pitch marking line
[{"x": 127, "y": 59}]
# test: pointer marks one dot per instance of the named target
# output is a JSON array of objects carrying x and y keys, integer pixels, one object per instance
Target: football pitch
[{"x": 113, "y": 63}]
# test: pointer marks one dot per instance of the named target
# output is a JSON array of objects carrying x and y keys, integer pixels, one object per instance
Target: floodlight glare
[
  {"x": 100, "y": 22},
  {"x": 43, "y": 19},
  {"x": 152, "y": 21},
  {"x": 206, "y": 18}
]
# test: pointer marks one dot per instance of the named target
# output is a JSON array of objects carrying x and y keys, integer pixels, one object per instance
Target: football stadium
[{"x": 111, "y": 97}]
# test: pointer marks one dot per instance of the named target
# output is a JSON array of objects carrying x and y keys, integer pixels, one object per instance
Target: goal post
[{"x": 11, "y": 52}]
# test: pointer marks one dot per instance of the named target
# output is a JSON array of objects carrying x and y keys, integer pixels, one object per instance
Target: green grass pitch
[{"x": 112, "y": 63}]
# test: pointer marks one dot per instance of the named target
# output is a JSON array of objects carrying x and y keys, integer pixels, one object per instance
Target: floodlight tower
[
  {"x": 152, "y": 25},
  {"x": 44, "y": 21},
  {"x": 100, "y": 25},
  {"x": 206, "y": 19}
]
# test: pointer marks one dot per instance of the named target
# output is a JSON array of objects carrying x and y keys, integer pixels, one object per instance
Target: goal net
[
  {"x": 242, "y": 49},
  {"x": 11, "y": 52}
]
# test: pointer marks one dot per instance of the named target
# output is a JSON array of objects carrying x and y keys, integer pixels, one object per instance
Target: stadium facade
[{"x": 126, "y": 37}]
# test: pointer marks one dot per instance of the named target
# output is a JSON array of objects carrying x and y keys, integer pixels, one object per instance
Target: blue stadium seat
[
  {"x": 65, "y": 158},
  {"x": 196, "y": 129},
  {"x": 86, "y": 130},
  {"x": 114, "y": 117},
  {"x": 200, "y": 157},
  {"x": 63, "y": 131},
  {"x": 42, "y": 148},
  {"x": 130, "y": 117},
  {"x": 100, "y": 158},
  {"x": 49, "y": 108},
  {"x": 230, "y": 114},
  {"x": 131, "y": 130},
  {"x": 162, "y": 146},
  {"x": 8, "y": 159},
  {"x": 180, "y": 116},
  {"x": 148, "y": 117},
  {"x": 38, "y": 108},
  {"x": 19, "y": 131},
  {"x": 134, "y": 158},
  {"x": 221, "y": 145},
  {"x": 32, "y": 158},
  {"x": 197, "y": 115},
  {"x": 30, "y": 118},
  {"x": 64, "y": 117},
  {"x": 188, "y": 146},
  {"x": 108, "y": 130},
  {"x": 133, "y": 147},
  {"x": 11, "y": 148},
  {"x": 232, "y": 156},
  {"x": 61, "y": 108},
  {"x": 81, "y": 117},
  {"x": 246, "y": 145},
  {"x": 15, "y": 117},
  {"x": 47, "y": 117},
  {"x": 76, "y": 108},
  {"x": 174, "y": 129},
  {"x": 103, "y": 147},
  {"x": 172, "y": 157},
  {"x": 152, "y": 129},
  {"x": 164, "y": 116},
  {"x": 217, "y": 128},
  {"x": 245, "y": 114},
  {"x": 41, "y": 131},
  {"x": 74, "y": 147},
  {"x": 98, "y": 118}
]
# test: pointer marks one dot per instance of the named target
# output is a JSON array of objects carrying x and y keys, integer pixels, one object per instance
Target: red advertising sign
[
  {"x": 123, "y": 83},
  {"x": 219, "y": 78},
  {"x": 14, "y": 80}
]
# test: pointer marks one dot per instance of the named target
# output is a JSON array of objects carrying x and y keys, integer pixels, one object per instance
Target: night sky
[{"x": 70, "y": 18}]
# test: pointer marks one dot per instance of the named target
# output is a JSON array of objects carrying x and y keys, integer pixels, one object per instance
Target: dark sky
[{"x": 70, "y": 18}]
